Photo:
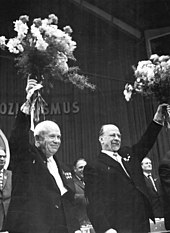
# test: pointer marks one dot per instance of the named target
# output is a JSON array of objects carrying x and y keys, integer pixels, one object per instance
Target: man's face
[
  {"x": 78, "y": 169},
  {"x": 111, "y": 138},
  {"x": 147, "y": 165},
  {"x": 50, "y": 141},
  {"x": 2, "y": 158}
]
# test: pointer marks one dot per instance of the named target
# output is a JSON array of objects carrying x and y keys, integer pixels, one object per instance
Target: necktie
[
  {"x": 1, "y": 179},
  {"x": 53, "y": 169},
  {"x": 118, "y": 158},
  {"x": 152, "y": 181}
]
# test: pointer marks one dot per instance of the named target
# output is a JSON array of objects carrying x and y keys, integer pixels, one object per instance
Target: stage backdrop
[{"x": 105, "y": 54}]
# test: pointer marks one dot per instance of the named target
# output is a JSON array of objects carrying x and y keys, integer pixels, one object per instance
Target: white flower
[
  {"x": 152, "y": 78},
  {"x": 41, "y": 45},
  {"x": 50, "y": 30},
  {"x": 52, "y": 19},
  {"x": 70, "y": 43},
  {"x": 150, "y": 73},
  {"x": 128, "y": 91},
  {"x": 35, "y": 32},
  {"x": 154, "y": 57},
  {"x": 168, "y": 63},
  {"x": 20, "y": 48},
  {"x": 2, "y": 40},
  {"x": 13, "y": 44},
  {"x": 62, "y": 62},
  {"x": 21, "y": 28},
  {"x": 163, "y": 58}
]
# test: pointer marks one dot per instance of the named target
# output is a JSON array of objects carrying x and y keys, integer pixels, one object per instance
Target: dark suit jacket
[
  {"x": 80, "y": 202},
  {"x": 36, "y": 199},
  {"x": 5, "y": 195},
  {"x": 116, "y": 200},
  {"x": 164, "y": 173},
  {"x": 155, "y": 196}
]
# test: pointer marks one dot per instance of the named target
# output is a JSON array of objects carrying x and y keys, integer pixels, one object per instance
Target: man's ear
[
  {"x": 37, "y": 140},
  {"x": 74, "y": 169},
  {"x": 101, "y": 139}
]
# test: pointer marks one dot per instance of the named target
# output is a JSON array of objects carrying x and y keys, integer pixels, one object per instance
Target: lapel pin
[{"x": 127, "y": 158}]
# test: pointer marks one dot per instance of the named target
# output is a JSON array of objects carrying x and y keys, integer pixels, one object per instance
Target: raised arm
[
  {"x": 149, "y": 137},
  {"x": 19, "y": 139}
]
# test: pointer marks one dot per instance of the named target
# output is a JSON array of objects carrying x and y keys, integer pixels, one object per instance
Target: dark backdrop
[{"x": 106, "y": 55}]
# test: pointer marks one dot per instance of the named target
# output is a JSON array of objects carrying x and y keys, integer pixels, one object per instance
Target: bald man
[
  {"x": 118, "y": 200},
  {"x": 42, "y": 196}
]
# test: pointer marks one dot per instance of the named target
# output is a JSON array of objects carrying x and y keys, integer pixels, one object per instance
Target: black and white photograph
[{"x": 84, "y": 116}]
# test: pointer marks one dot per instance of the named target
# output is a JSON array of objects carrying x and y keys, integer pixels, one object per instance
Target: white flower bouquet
[
  {"x": 152, "y": 78},
  {"x": 42, "y": 52}
]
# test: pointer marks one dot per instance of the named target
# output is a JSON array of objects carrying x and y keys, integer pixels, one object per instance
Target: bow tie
[{"x": 115, "y": 154}]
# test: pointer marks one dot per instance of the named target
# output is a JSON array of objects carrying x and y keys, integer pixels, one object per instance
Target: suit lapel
[
  {"x": 106, "y": 159},
  {"x": 127, "y": 166},
  {"x": 64, "y": 175},
  {"x": 110, "y": 162},
  {"x": 79, "y": 183}
]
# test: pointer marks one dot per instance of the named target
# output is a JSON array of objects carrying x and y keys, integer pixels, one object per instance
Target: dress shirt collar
[
  {"x": 147, "y": 174},
  {"x": 113, "y": 155},
  {"x": 50, "y": 158}
]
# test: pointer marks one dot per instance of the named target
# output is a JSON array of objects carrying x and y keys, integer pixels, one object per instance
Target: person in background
[
  {"x": 80, "y": 200},
  {"x": 5, "y": 187},
  {"x": 5, "y": 178},
  {"x": 42, "y": 197},
  {"x": 154, "y": 188},
  {"x": 118, "y": 199},
  {"x": 164, "y": 173}
]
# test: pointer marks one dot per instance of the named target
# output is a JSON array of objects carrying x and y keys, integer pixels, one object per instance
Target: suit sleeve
[
  {"x": 19, "y": 139},
  {"x": 95, "y": 207},
  {"x": 144, "y": 145}
]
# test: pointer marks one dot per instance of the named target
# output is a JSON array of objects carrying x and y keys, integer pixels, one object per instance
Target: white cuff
[{"x": 26, "y": 107}]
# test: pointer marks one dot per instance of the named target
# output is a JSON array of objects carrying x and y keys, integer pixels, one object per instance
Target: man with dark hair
[
  {"x": 118, "y": 200},
  {"x": 80, "y": 200}
]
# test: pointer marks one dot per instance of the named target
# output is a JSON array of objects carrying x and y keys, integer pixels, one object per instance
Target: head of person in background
[
  {"x": 146, "y": 166},
  {"x": 2, "y": 158},
  {"x": 110, "y": 137},
  {"x": 78, "y": 167},
  {"x": 47, "y": 137}
]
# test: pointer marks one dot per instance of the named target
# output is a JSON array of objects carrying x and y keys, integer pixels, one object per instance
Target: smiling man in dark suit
[
  {"x": 114, "y": 182},
  {"x": 42, "y": 197}
]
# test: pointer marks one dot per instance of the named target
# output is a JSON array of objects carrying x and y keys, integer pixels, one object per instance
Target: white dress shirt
[
  {"x": 149, "y": 176},
  {"x": 53, "y": 169}
]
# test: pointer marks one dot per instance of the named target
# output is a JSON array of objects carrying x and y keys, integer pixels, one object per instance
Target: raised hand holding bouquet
[
  {"x": 42, "y": 52},
  {"x": 152, "y": 78}
]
